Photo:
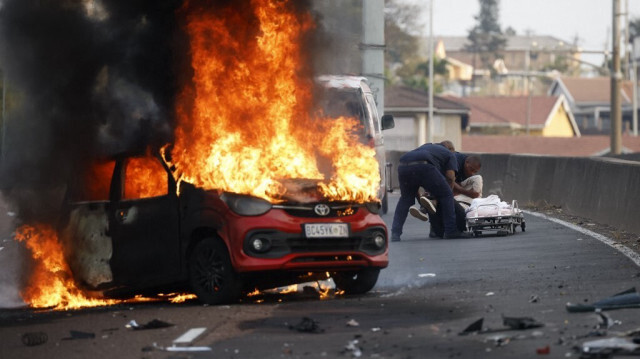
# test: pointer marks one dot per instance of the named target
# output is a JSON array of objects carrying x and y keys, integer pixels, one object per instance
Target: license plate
[{"x": 326, "y": 230}]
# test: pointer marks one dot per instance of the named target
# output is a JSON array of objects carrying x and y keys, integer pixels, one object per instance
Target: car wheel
[
  {"x": 211, "y": 275},
  {"x": 385, "y": 205},
  {"x": 356, "y": 282}
]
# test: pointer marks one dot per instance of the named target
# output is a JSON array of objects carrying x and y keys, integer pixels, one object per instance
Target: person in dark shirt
[
  {"x": 432, "y": 167},
  {"x": 468, "y": 167}
]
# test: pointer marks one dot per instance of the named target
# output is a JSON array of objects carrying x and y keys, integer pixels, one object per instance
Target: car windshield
[{"x": 346, "y": 103}]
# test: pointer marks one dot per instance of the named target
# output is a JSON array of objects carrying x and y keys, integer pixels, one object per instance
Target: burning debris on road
[{"x": 125, "y": 114}]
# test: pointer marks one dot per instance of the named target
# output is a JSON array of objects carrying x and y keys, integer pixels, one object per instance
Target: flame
[
  {"x": 51, "y": 284},
  {"x": 245, "y": 122}
]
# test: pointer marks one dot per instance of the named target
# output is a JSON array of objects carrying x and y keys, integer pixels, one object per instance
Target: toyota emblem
[{"x": 321, "y": 209}]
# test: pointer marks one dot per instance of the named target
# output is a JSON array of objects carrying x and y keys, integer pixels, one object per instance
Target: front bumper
[{"x": 289, "y": 249}]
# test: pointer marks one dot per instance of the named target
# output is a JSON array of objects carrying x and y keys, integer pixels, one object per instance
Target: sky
[{"x": 590, "y": 20}]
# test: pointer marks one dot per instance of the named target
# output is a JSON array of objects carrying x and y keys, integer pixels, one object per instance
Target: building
[
  {"x": 547, "y": 116},
  {"x": 410, "y": 109},
  {"x": 590, "y": 102}
]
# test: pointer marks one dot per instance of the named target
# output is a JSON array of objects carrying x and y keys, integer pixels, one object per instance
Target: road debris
[
  {"x": 426, "y": 275},
  {"x": 606, "y": 348},
  {"x": 544, "y": 350},
  {"x": 352, "y": 323},
  {"x": 352, "y": 346},
  {"x": 307, "y": 325},
  {"x": 76, "y": 334},
  {"x": 511, "y": 323},
  {"x": 34, "y": 338},
  {"x": 153, "y": 324},
  {"x": 520, "y": 323},
  {"x": 626, "y": 299}
]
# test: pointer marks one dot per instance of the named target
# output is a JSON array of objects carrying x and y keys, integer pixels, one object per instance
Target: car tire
[
  {"x": 211, "y": 274},
  {"x": 356, "y": 282},
  {"x": 385, "y": 205}
]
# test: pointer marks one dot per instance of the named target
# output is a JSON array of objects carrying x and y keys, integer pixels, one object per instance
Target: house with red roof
[
  {"x": 590, "y": 102},
  {"x": 546, "y": 116},
  {"x": 410, "y": 109}
]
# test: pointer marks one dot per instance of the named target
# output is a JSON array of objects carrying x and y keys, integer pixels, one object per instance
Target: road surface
[{"x": 431, "y": 291}]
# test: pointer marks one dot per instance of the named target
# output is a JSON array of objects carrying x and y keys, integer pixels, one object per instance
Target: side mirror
[{"x": 387, "y": 122}]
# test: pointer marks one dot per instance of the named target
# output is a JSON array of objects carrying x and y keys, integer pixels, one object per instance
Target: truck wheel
[
  {"x": 385, "y": 205},
  {"x": 356, "y": 282},
  {"x": 211, "y": 275}
]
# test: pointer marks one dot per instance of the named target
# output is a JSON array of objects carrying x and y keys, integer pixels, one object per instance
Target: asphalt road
[{"x": 431, "y": 291}]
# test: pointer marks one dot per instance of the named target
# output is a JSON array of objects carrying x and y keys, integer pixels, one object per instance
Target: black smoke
[{"x": 84, "y": 79}]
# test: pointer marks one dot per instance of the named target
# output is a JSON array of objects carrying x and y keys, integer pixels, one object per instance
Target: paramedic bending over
[{"x": 432, "y": 167}]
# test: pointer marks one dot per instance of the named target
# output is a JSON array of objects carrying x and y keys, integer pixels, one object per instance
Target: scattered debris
[
  {"x": 34, "y": 338},
  {"x": 307, "y": 325},
  {"x": 606, "y": 348},
  {"x": 76, "y": 334},
  {"x": 626, "y": 299},
  {"x": 520, "y": 323},
  {"x": 154, "y": 324},
  {"x": 473, "y": 327},
  {"x": 490, "y": 294},
  {"x": 376, "y": 329},
  {"x": 544, "y": 350},
  {"x": 352, "y": 323},
  {"x": 512, "y": 323},
  {"x": 426, "y": 275},
  {"x": 534, "y": 299},
  {"x": 352, "y": 347}
]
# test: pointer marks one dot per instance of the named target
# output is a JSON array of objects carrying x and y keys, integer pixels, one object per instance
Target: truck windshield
[{"x": 347, "y": 103}]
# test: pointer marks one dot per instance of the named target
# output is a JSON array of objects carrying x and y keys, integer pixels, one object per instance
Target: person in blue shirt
[{"x": 432, "y": 167}]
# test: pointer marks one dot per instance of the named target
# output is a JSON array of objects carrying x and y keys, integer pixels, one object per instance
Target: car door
[{"x": 144, "y": 223}]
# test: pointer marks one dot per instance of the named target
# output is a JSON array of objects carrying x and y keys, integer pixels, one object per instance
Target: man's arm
[
  {"x": 457, "y": 189},
  {"x": 450, "y": 175}
]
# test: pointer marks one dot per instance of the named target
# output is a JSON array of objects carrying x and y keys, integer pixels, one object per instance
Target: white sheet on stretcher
[{"x": 490, "y": 206}]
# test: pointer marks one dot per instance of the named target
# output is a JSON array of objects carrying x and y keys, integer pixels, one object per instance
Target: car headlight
[
  {"x": 374, "y": 207},
  {"x": 246, "y": 205}
]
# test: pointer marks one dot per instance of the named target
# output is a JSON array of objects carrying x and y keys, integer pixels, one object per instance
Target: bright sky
[{"x": 590, "y": 20}]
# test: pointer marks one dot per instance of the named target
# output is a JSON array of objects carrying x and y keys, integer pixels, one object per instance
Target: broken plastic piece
[
  {"x": 154, "y": 324},
  {"x": 520, "y": 323},
  {"x": 627, "y": 299},
  {"x": 473, "y": 327}
]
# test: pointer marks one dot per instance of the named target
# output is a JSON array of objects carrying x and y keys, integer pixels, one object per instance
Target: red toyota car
[{"x": 129, "y": 232}]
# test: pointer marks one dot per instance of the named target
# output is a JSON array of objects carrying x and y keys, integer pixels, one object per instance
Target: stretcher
[{"x": 499, "y": 217}]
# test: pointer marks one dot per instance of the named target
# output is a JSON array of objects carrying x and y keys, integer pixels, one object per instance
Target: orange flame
[
  {"x": 51, "y": 284},
  {"x": 245, "y": 121}
]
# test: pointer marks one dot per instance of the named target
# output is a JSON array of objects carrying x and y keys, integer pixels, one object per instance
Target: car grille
[{"x": 307, "y": 210}]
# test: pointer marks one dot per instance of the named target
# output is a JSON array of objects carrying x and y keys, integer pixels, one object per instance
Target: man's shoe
[
  {"x": 395, "y": 238},
  {"x": 434, "y": 235},
  {"x": 456, "y": 235},
  {"x": 416, "y": 212},
  {"x": 428, "y": 204}
]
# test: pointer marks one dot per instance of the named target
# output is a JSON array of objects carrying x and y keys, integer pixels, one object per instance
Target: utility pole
[
  {"x": 431, "y": 125},
  {"x": 616, "y": 75},
  {"x": 373, "y": 48},
  {"x": 4, "y": 118}
]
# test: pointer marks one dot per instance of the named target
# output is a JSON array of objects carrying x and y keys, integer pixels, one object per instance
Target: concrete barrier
[{"x": 602, "y": 189}]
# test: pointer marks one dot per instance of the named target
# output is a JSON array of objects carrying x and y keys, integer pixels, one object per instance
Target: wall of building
[{"x": 603, "y": 190}]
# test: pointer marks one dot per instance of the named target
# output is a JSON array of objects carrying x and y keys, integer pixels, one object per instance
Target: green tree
[
  {"x": 634, "y": 28},
  {"x": 485, "y": 38},
  {"x": 401, "y": 31}
]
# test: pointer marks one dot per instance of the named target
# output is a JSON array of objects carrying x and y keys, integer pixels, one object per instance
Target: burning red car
[{"x": 136, "y": 234}]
